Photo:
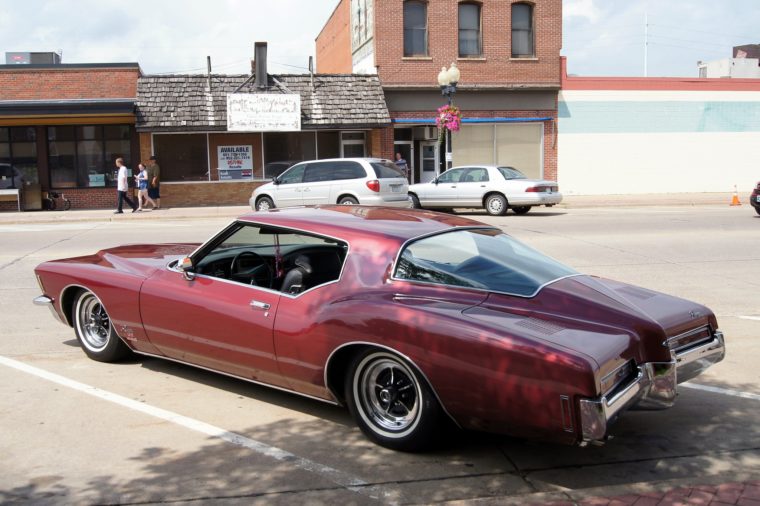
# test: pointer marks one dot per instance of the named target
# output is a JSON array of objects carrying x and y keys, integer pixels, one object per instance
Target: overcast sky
[{"x": 600, "y": 37}]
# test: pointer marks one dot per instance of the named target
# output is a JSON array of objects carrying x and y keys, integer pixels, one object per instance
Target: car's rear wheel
[
  {"x": 94, "y": 330},
  {"x": 415, "y": 201},
  {"x": 757, "y": 210},
  {"x": 496, "y": 204},
  {"x": 347, "y": 201},
  {"x": 521, "y": 209},
  {"x": 264, "y": 204},
  {"x": 391, "y": 403}
]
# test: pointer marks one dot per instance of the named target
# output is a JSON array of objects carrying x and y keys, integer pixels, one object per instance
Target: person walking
[
  {"x": 154, "y": 181},
  {"x": 122, "y": 187},
  {"x": 142, "y": 186}
]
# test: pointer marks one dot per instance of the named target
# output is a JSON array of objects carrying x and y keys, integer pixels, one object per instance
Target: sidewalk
[{"x": 177, "y": 213}]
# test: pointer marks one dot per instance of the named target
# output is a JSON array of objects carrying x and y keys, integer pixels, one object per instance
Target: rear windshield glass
[
  {"x": 387, "y": 170},
  {"x": 511, "y": 173},
  {"x": 486, "y": 259}
]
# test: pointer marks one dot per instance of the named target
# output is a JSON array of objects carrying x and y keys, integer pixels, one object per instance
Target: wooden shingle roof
[{"x": 182, "y": 103}]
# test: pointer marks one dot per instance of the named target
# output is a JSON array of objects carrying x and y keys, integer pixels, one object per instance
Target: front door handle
[{"x": 260, "y": 305}]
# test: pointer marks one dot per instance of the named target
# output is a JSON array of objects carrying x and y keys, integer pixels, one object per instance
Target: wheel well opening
[
  {"x": 337, "y": 368},
  {"x": 67, "y": 302},
  {"x": 346, "y": 195}
]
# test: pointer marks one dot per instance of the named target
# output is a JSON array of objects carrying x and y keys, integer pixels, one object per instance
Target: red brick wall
[
  {"x": 334, "y": 42},
  {"x": 68, "y": 83},
  {"x": 496, "y": 67}
]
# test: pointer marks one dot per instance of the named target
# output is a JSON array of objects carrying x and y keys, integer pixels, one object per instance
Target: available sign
[
  {"x": 235, "y": 162},
  {"x": 263, "y": 112}
]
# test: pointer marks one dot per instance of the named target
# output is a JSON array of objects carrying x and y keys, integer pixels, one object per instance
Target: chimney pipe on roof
[{"x": 260, "y": 55}]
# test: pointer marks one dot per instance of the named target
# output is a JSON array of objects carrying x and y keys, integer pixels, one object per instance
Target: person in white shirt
[{"x": 122, "y": 187}]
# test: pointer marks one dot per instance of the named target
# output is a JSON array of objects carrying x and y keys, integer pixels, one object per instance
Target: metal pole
[{"x": 449, "y": 161}]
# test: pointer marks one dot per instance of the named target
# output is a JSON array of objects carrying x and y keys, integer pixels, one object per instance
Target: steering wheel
[{"x": 260, "y": 274}]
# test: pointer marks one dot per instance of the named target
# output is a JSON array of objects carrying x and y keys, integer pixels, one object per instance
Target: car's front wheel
[
  {"x": 264, "y": 204},
  {"x": 496, "y": 204},
  {"x": 94, "y": 330},
  {"x": 521, "y": 209},
  {"x": 391, "y": 403}
]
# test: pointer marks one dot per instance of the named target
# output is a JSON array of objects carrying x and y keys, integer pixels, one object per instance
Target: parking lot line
[{"x": 334, "y": 475}]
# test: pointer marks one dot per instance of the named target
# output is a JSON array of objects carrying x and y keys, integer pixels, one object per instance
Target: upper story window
[
  {"x": 522, "y": 31},
  {"x": 415, "y": 28},
  {"x": 469, "y": 30}
]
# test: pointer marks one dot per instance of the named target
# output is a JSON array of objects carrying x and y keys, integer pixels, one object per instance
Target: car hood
[
  {"x": 605, "y": 320},
  {"x": 264, "y": 187},
  {"x": 137, "y": 259}
]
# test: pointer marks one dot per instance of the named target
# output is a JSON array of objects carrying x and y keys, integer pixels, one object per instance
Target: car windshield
[
  {"x": 387, "y": 170},
  {"x": 511, "y": 173},
  {"x": 485, "y": 259}
]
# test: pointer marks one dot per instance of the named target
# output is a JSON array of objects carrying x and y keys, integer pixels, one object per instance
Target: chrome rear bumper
[{"x": 653, "y": 387}]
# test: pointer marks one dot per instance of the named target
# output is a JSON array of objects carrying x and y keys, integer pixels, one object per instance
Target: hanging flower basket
[{"x": 449, "y": 118}]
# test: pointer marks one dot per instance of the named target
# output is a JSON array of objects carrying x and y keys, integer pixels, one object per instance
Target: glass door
[{"x": 428, "y": 161}]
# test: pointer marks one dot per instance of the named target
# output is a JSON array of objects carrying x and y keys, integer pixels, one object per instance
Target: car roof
[
  {"x": 358, "y": 159},
  {"x": 361, "y": 222}
]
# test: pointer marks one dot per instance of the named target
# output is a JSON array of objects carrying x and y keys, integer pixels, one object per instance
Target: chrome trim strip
[
  {"x": 386, "y": 348},
  {"x": 260, "y": 383},
  {"x": 44, "y": 300},
  {"x": 688, "y": 333}
]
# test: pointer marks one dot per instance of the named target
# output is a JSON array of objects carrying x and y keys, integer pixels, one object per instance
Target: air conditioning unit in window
[{"x": 423, "y": 133}]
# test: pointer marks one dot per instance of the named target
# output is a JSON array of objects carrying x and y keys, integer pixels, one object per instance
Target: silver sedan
[{"x": 495, "y": 189}]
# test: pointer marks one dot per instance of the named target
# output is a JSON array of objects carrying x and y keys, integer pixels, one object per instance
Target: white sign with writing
[
  {"x": 235, "y": 162},
  {"x": 263, "y": 112}
]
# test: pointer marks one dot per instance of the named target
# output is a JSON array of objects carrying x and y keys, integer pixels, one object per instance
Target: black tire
[
  {"x": 521, "y": 209},
  {"x": 415, "y": 201},
  {"x": 264, "y": 204},
  {"x": 347, "y": 200},
  {"x": 496, "y": 205},
  {"x": 757, "y": 210},
  {"x": 391, "y": 403},
  {"x": 95, "y": 331}
]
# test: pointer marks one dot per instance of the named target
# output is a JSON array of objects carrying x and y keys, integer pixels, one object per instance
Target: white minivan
[{"x": 365, "y": 181}]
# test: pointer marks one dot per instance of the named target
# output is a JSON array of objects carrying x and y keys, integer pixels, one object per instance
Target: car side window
[
  {"x": 475, "y": 175},
  {"x": 316, "y": 172},
  {"x": 293, "y": 174},
  {"x": 451, "y": 176},
  {"x": 273, "y": 258}
]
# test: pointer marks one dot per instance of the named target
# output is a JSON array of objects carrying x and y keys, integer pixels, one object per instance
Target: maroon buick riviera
[{"x": 415, "y": 320}]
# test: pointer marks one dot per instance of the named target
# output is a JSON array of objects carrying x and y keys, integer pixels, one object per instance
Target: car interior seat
[{"x": 296, "y": 278}]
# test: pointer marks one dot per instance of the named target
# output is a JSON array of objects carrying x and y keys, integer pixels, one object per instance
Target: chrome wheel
[
  {"x": 388, "y": 395},
  {"x": 95, "y": 331},
  {"x": 93, "y": 323}
]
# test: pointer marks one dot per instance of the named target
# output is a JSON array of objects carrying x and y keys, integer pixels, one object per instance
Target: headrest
[{"x": 303, "y": 262}]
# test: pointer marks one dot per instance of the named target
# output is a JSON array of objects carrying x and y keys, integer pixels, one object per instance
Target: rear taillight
[
  {"x": 533, "y": 189},
  {"x": 374, "y": 185}
]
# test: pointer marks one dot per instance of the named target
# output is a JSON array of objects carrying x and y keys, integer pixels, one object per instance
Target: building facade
[
  {"x": 629, "y": 135},
  {"x": 508, "y": 56},
  {"x": 184, "y": 121},
  {"x": 63, "y": 126}
]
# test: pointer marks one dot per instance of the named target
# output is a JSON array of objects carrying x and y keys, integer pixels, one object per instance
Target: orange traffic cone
[{"x": 735, "y": 198}]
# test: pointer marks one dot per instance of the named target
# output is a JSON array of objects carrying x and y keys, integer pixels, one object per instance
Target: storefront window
[
  {"x": 328, "y": 145},
  {"x": 84, "y": 156},
  {"x": 284, "y": 149},
  {"x": 352, "y": 144},
  {"x": 18, "y": 146},
  {"x": 182, "y": 157}
]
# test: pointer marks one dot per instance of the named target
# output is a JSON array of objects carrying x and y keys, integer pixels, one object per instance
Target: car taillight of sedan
[
  {"x": 542, "y": 189},
  {"x": 374, "y": 185}
]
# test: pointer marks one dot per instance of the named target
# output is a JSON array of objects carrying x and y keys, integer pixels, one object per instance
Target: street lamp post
[{"x": 448, "y": 80}]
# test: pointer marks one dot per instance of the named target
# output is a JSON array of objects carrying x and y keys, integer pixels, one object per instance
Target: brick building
[
  {"x": 184, "y": 121},
  {"x": 508, "y": 52},
  {"x": 63, "y": 125}
]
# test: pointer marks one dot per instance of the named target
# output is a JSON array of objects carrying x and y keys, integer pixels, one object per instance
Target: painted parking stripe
[
  {"x": 336, "y": 476},
  {"x": 757, "y": 318},
  {"x": 724, "y": 391}
]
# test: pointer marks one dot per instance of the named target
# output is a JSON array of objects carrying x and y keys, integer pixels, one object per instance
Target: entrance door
[
  {"x": 428, "y": 161},
  {"x": 406, "y": 148}
]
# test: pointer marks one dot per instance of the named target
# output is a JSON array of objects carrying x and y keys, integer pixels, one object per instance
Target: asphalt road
[{"x": 149, "y": 431}]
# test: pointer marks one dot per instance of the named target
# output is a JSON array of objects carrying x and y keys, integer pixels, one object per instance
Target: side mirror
[
  {"x": 187, "y": 268},
  {"x": 434, "y": 181},
  {"x": 275, "y": 180}
]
